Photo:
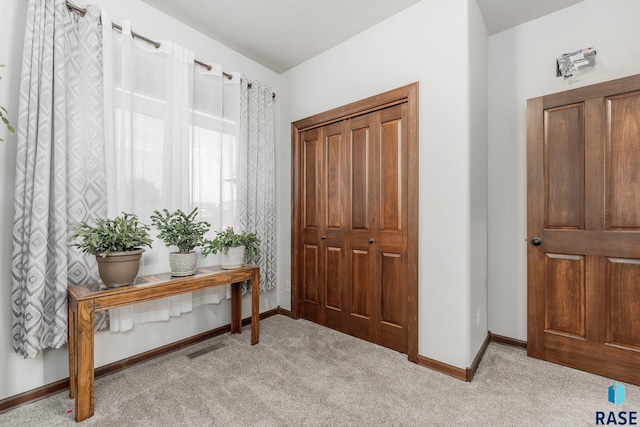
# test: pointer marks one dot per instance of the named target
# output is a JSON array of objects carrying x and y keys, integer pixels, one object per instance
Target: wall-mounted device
[{"x": 569, "y": 63}]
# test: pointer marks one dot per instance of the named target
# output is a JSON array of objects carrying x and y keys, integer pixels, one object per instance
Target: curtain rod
[{"x": 82, "y": 11}]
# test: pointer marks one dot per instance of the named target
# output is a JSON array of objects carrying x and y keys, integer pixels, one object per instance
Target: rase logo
[{"x": 615, "y": 395}]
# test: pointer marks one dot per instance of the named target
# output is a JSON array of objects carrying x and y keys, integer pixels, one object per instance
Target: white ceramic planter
[
  {"x": 233, "y": 258},
  {"x": 183, "y": 264}
]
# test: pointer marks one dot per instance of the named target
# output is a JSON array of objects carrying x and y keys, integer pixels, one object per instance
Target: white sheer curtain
[{"x": 170, "y": 143}]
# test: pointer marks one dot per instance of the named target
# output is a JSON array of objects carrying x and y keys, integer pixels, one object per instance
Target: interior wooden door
[
  {"x": 322, "y": 248},
  {"x": 355, "y": 242},
  {"x": 583, "y": 149},
  {"x": 390, "y": 292},
  {"x": 378, "y": 227},
  {"x": 311, "y": 223},
  {"x": 334, "y": 231},
  {"x": 355, "y": 219},
  {"x": 362, "y": 192}
]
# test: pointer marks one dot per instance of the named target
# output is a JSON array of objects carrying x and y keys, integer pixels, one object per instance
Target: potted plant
[
  {"x": 232, "y": 246},
  {"x": 117, "y": 244},
  {"x": 184, "y": 231},
  {"x": 4, "y": 116}
]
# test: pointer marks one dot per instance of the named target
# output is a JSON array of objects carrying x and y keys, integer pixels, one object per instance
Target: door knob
[
  {"x": 536, "y": 241},
  {"x": 323, "y": 237},
  {"x": 371, "y": 240}
]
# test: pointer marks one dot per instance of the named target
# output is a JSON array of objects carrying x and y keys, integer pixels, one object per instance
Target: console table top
[{"x": 159, "y": 282}]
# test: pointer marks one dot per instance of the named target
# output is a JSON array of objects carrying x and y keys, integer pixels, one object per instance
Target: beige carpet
[{"x": 304, "y": 374}]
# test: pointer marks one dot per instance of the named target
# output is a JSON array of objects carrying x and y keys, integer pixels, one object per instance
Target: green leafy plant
[
  {"x": 228, "y": 238},
  {"x": 121, "y": 234},
  {"x": 3, "y": 116},
  {"x": 180, "y": 229}
]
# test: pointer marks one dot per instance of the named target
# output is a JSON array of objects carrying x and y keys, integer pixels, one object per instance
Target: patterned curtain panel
[
  {"x": 256, "y": 176},
  {"x": 60, "y": 174}
]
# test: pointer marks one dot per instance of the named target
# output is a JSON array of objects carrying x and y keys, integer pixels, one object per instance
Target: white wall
[
  {"x": 478, "y": 186},
  {"x": 16, "y": 374},
  {"x": 428, "y": 43},
  {"x": 12, "y": 21},
  {"x": 522, "y": 66}
]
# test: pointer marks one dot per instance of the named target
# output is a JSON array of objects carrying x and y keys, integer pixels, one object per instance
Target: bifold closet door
[
  {"x": 390, "y": 285},
  {"x": 378, "y": 219},
  {"x": 353, "y": 180},
  {"x": 323, "y": 251}
]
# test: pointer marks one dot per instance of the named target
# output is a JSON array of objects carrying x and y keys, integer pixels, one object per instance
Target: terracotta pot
[
  {"x": 183, "y": 264},
  {"x": 119, "y": 268},
  {"x": 233, "y": 258}
]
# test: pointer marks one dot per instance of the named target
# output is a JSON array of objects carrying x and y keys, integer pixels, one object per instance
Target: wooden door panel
[
  {"x": 333, "y": 272},
  {"x": 391, "y": 175},
  {"x": 392, "y": 301},
  {"x": 311, "y": 178},
  {"x": 360, "y": 284},
  {"x": 392, "y": 196},
  {"x": 616, "y": 363},
  {"x": 311, "y": 273},
  {"x": 393, "y": 153},
  {"x": 565, "y": 294},
  {"x": 334, "y": 184},
  {"x": 359, "y": 322},
  {"x": 364, "y": 227},
  {"x": 390, "y": 329},
  {"x": 359, "y": 177},
  {"x": 623, "y": 311},
  {"x": 623, "y": 154},
  {"x": 564, "y": 139},
  {"x": 335, "y": 314},
  {"x": 310, "y": 282}
]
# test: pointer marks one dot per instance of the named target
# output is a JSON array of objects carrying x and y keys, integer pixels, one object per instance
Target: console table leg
[
  {"x": 255, "y": 308},
  {"x": 71, "y": 344},
  {"x": 236, "y": 308},
  {"x": 84, "y": 358}
]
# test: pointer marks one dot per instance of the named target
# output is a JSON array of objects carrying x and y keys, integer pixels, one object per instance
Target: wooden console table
[{"x": 84, "y": 300}]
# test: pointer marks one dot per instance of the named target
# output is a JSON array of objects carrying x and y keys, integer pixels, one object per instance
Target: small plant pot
[
  {"x": 183, "y": 264},
  {"x": 119, "y": 269},
  {"x": 233, "y": 258}
]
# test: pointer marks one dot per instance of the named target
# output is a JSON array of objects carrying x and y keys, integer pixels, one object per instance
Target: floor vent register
[{"x": 205, "y": 350}]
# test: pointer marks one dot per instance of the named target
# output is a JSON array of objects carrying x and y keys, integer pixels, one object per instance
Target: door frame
[{"x": 408, "y": 94}]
